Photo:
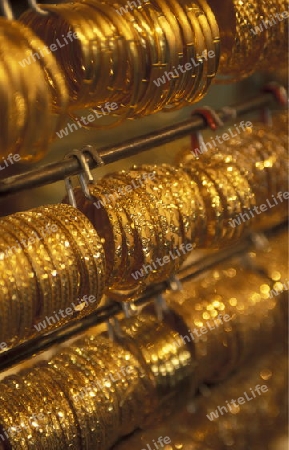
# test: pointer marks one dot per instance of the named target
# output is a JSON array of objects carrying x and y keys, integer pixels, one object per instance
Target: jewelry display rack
[
  {"x": 151, "y": 297},
  {"x": 68, "y": 167},
  {"x": 71, "y": 166}
]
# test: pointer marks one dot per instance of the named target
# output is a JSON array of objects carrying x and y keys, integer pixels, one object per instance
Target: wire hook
[
  {"x": 212, "y": 120},
  {"x": 175, "y": 284},
  {"x": 114, "y": 330},
  {"x": 160, "y": 306},
  {"x": 280, "y": 95},
  {"x": 85, "y": 177},
  {"x": 33, "y": 5},
  {"x": 7, "y": 10}
]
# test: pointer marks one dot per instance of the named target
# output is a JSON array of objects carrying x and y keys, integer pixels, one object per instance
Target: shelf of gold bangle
[
  {"x": 149, "y": 224},
  {"x": 260, "y": 36},
  {"x": 53, "y": 263},
  {"x": 257, "y": 390},
  {"x": 39, "y": 94},
  {"x": 230, "y": 313},
  {"x": 120, "y": 57},
  {"x": 88, "y": 395}
]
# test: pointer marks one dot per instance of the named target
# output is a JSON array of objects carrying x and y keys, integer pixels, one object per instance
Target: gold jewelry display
[
  {"x": 143, "y": 224},
  {"x": 32, "y": 91},
  {"x": 52, "y": 270},
  {"x": 132, "y": 312},
  {"x": 94, "y": 391},
  {"x": 151, "y": 217},
  {"x": 132, "y": 59},
  {"x": 260, "y": 37},
  {"x": 196, "y": 428}
]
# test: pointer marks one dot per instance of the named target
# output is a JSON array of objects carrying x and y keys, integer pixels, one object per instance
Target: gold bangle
[
  {"x": 90, "y": 249},
  {"x": 212, "y": 201},
  {"x": 14, "y": 317}
]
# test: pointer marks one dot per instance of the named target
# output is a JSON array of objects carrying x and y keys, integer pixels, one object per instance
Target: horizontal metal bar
[
  {"x": 104, "y": 313},
  {"x": 54, "y": 172}
]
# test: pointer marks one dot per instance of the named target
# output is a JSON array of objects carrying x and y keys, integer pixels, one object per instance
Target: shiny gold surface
[
  {"x": 29, "y": 98},
  {"x": 51, "y": 258},
  {"x": 224, "y": 332},
  {"x": 95, "y": 391},
  {"x": 256, "y": 424},
  {"x": 120, "y": 53},
  {"x": 147, "y": 216},
  {"x": 260, "y": 38}
]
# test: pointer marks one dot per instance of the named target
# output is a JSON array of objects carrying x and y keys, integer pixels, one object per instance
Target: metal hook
[
  {"x": 175, "y": 284},
  {"x": 230, "y": 113},
  {"x": 94, "y": 154},
  {"x": 160, "y": 307},
  {"x": 211, "y": 117},
  {"x": 7, "y": 10},
  {"x": 70, "y": 193},
  {"x": 266, "y": 116},
  {"x": 280, "y": 94},
  {"x": 129, "y": 309},
  {"x": 86, "y": 176},
  {"x": 33, "y": 5},
  {"x": 114, "y": 329},
  {"x": 259, "y": 240},
  {"x": 212, "y": 120}
]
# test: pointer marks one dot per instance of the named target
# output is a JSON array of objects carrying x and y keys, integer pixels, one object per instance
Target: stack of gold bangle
[
  {"x": 95, "y": 391},
  {"x": 157, "y": 345},
  {"x": 260, "y": 37},
  {"x": 257, "y": 391},
  {"x": 52, "y": 270},
  {"x": 274, "y": 261},
  {"x": 145, "y": 223},
  {"x": 152, "y": 216},
  {"x": 233, "y": 314},
  {"x": 275, "y": 26},
  {"x": 29, "y": 98},
  {"x": 157, "y": 55},
  {"x": 260, "y": 153}
]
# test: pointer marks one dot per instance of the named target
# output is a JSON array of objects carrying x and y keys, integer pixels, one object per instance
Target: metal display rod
[
  {"x": 57, "y": 171},
  {"x": 104, "y": 313}
]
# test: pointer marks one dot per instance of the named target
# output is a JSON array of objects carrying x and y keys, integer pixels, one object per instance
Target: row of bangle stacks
[
  {"x": 210, "y": 374},
  {"x": 220, "y": 350},
  {"x": 95, "y": 391},
  {"x": 123, "y": 60}
]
